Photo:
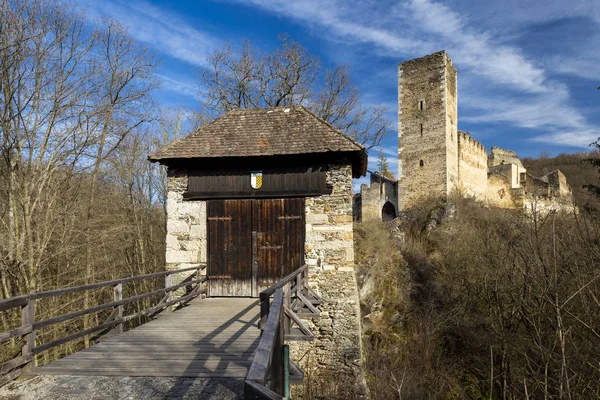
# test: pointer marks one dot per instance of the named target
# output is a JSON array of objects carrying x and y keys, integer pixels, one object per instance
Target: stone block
[
  {"x": 191, "y": 208},
  {"x": 172, "y": 208},
  {"x": 203, "y": 252},
  {"x": 333, "y": 228},
  {"x": 335, "y": 244},
  {"x": 346, "y": 269},
  {"x": 312, "y": 237},
  {"x": 342, "y": 218},
  {"x": 349, "y": 236},
  {"x": 172, "y": 242},
  {"x": 175, "y": 226},
  {"x": 191, "y": 245},
  {"x": 328, "y": 267},
  {"x": 198, "y": 231},
  {"x": 311, "y": 261},
  {"x": 180, "y": 256},
  {"x": 318, "y": 218},
  {"x": 350, "y": 254}
]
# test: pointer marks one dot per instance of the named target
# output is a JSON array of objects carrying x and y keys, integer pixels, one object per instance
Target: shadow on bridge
[
  {"x": 182, "y": 387},
  {"x": 208, "y": 338}
]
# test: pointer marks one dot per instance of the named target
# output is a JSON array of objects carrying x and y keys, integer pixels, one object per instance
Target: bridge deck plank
[{"x": 213, "y": 337}]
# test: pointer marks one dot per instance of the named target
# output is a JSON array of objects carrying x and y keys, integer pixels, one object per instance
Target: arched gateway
[{"x": 388, "y": 212}]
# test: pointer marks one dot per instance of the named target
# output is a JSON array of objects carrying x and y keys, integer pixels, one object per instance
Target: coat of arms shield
[{"x": 256, "y": 179}]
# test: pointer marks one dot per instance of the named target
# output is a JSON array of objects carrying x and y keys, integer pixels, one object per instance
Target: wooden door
[
  {"x": 279, "y": 228},
  {"x": 253, "y": 243},
  {"x": 229, "y": 248}
]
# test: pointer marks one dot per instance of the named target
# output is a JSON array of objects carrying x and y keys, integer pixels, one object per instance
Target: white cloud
[
  {"x": 159, "y": 29},
  {"x": 581, "y": 138},
  {"x": 416, "y": 27},
  {"x": 181, "y": 86},
  {"x": 477, "y": 36},
  {"x": 586, "y": 68}
]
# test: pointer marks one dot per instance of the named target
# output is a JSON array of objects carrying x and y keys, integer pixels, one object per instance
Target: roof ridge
[{"x": 252, "y": 109}]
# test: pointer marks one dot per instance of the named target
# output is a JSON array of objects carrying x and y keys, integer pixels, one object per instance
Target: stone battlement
[
  {"x": 465, "y": 138},
  {"x": 434, "y": 57}
]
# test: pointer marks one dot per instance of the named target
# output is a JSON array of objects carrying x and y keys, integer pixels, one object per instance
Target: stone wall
[
  {"x": 370, "y": 208},
  {"x": 186, "y": 224},
  {"x": 500, "y": 194},
  {"x": 557, "y": 182},
  {"x": 333, "y": 362},
  {"x": 472, "y": 166},
  {"x": 451, "y": 132},
  {"x": 427, "y": 120},
  {"x": 512, "y": 172}
]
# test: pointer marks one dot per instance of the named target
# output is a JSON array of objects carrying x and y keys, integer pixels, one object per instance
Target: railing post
[
  {"x": 264, "y": 310},
  {"x": 28, "y": 318},
  {"x": 199, "y": 284},
  {"x": 306, "y": 278},
  {"x": 118, "y": 296},
  {"x": 287, "y": 297},
  {"x": 169, "y": 294},
  {"x": 277, "y": 368},
  {"x": 286, "y": 371},
  {"x": 299, "y": 284}
]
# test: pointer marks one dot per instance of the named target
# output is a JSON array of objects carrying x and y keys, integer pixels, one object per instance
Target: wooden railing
[
  {"x": 281, "y": 306},
  {"x": 12, "y": 369}
]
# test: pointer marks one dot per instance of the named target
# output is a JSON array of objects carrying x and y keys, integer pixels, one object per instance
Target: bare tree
[
  {"x": 45, "y": 102},
  {"x": 70, "y": 94},
  {"x": 247, "y": 78},
  {"x": 124, "y": 79}
]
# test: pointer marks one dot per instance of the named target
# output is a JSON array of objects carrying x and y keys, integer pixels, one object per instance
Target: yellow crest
[{"x": 256, "y": 179}]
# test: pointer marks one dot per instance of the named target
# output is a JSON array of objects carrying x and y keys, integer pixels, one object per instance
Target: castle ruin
[{"x": 436, "y": 159}]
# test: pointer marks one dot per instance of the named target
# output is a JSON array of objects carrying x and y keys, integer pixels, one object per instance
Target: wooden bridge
[{"x": 241, "y": 338}]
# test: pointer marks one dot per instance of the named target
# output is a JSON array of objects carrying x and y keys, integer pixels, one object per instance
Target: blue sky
[{"x": 527, "y": 69}]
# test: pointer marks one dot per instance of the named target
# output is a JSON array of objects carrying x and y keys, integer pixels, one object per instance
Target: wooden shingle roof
[{"x": 262, "y": 132}]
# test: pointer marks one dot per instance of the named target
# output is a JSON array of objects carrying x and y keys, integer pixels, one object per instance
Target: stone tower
[{"x": 427, "y": 129}]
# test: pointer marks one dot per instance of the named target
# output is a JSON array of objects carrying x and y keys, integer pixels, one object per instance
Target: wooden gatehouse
[{"x": 237, "y": 194}]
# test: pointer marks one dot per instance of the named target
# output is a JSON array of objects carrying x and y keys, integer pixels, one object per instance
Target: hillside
[{"x": 470, "y": 309}]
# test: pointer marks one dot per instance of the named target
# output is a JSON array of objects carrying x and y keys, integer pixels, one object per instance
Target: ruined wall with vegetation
[
  {"x": 500, "y": 194},
  {"x": 370, "y": 201},
  {"x": 374, "y": 197},
  {"x": 499, "y": 156}
]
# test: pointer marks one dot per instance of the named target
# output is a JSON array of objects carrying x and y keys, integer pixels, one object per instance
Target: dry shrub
[{"x": 502, "y": 305}]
